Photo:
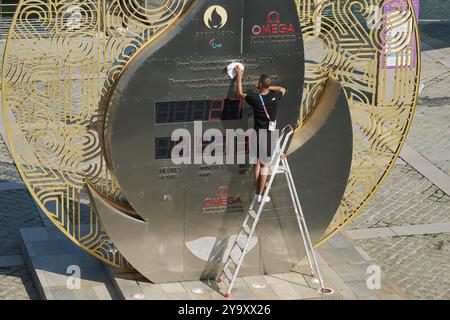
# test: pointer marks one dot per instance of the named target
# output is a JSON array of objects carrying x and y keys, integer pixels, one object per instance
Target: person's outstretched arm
[
  {"x": 239, "y": 75},
  {"x": 280, "y": 89}
]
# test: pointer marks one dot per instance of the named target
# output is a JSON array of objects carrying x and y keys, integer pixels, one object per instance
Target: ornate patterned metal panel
[
  {"x": 372, "y": 48},
  {"x": 60, "y": 54}
]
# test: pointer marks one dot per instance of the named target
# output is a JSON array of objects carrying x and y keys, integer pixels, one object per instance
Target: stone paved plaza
[
  {"x": 405, "y": 229},
  {"x": 418, "y": 262}
]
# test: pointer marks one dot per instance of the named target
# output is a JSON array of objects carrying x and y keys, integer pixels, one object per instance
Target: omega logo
[
  {"x": 273, "y": 26},
  {"x": 277, "y": 17},
  {"x": 221, "y": 199}
]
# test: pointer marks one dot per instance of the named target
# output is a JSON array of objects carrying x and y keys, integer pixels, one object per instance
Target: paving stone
[
  {"x": 405, "y": 198},
  {"x": 171, "y": 288},
  {"x": 16, "y": 284},
  {"x": 11, "y": 186},
  {"x": 333, "y": 280},
  {"x": 287, "y": 292},
  {"x": 9, "y": 173},
  {"x": 302, "y": 288},
  {"x": 103, "y": 293},
  {"x": 339, "y": 241},
  {"x": 351, "y": 255},
  {"x": 429, "y": 170},
  {"x": 419, "y": 264},
  {"x": 422, "y": 229},
  {"x": 370, "y": 233},
  {"x": 10, "y": 261},
  {"x": 363, "y": 253},
  {"x": 63, "y": 294},
  {"x": 132, "y": 292},
  {"x": 241, "y": 291},
  {"x": 17, "y": 210},
  {"x": 360, "y": 290},
  {"x": 85, "y": 293},
  {"x": 5, "y": 157},
  {"x": 260, "y": 288},
  {"x": 178, "y": 296},
  {"x": 189, "y": 286},
  {"x": 153, "y": 292}
]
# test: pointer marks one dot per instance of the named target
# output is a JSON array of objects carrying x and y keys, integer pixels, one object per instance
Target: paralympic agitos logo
[
  {"x": 222, "y": 198},
  {"x": 273, "y": 26}
]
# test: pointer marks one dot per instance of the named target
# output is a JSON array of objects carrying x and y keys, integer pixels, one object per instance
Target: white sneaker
[{"x": 259, "y": 198}]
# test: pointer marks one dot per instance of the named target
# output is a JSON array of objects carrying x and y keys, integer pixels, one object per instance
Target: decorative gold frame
[{"x": 59, "y": 55}]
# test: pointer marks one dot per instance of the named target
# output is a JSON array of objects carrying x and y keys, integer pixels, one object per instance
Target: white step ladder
[{"x": 239, "y": 249}]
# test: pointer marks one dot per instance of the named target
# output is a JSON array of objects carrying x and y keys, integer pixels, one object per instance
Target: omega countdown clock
[{"x": 106, "y": 91}]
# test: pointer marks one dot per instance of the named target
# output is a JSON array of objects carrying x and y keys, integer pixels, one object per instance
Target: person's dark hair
[{"x": 265, "y": 81}]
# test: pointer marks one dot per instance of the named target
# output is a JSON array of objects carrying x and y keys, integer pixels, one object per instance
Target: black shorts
[{"x": 264, "y": 148}]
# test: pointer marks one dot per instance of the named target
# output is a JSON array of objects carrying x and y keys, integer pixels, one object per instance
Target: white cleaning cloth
[{"x": 230, "y": 69}]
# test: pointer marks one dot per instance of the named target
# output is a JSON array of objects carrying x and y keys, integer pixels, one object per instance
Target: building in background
[
  {"x": 435, "y": 10},
  {"x": 429, "y": 10},
  {"x": 8, "y": 7}
]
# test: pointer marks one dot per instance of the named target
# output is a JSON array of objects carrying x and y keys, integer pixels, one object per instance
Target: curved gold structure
[
  {"x": 373, "y": 49},
  {"x": 59, "y": 55}
]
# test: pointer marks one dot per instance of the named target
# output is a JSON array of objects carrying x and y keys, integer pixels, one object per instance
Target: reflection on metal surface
[
  {"x": 325, "y": 102},
  {"x": 54, "y": 73},
  {"x": 119, "y": 206}
]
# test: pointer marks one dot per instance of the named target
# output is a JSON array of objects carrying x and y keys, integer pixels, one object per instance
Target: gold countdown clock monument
[{"x": 83, "y": 81}]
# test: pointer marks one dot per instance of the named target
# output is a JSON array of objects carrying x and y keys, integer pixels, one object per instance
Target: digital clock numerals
[
  {"x": 163, "y": 148},
  {"x": 199, "y": 110}
]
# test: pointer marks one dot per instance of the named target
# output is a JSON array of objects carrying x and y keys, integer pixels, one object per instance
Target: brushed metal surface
[
  {"x": 320, "y": 156},
  {"x": 180, "y": 239}
]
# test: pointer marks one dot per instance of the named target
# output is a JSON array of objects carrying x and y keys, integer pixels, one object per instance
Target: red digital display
[{"x": 199, "y": 110}]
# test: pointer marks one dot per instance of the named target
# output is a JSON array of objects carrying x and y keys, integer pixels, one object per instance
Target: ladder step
[
  {"x": 239, "y": 248},
  {"x": 235, "y": 257},
  {"x": 241, "y": 244},
  {"x": 282, "y": 168},
  {"x": 246, "y": 229},
  {"x": 227, "y": 274}
]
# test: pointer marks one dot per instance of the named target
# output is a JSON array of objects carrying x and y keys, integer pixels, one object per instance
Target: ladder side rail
[
  {"x": 247, "y": 216},
  {"x": 243, "y": 251},
  {"x": 303, "y": 223},
  {"x": 274, "y": 156},
  {"x": 252, "y": 230},
  {"x": 235, "y": 242},
  {"x": 315, "y": 272},
  {"x": 277, "y": 156},
  {"x": 258, "y": 214},
  {"x": 298, "y": 217},
  {"x": 234, "y": 245},
  {"x": 316, "y": 265}
]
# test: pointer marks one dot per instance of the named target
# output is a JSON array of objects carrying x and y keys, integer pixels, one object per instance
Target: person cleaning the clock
[{"x": 264, "y": 102}]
